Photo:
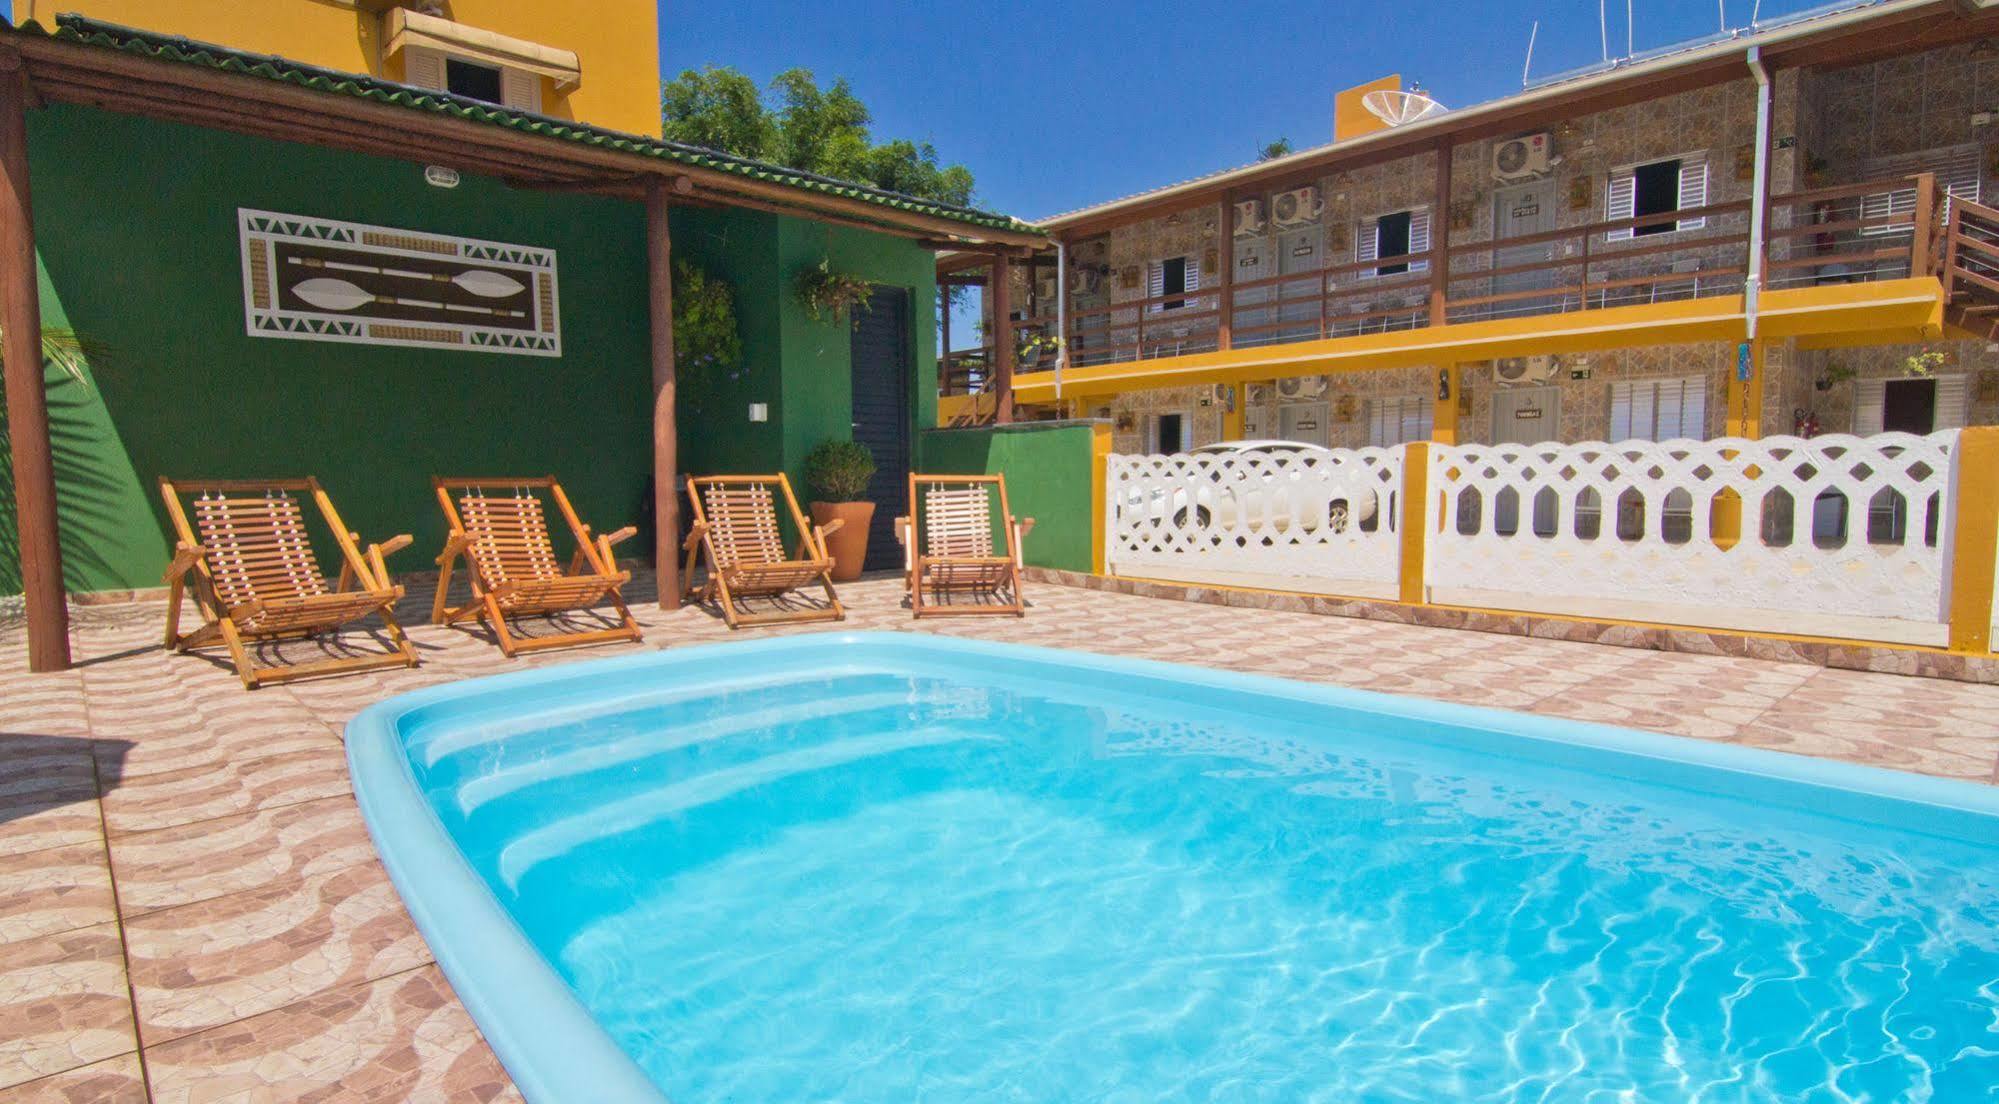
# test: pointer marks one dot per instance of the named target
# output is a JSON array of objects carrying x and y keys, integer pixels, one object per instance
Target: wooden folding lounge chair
[
  {"x": 736, "y": 524},
  {"x": 948, "y": 549},
  {"x": 501, "y": 529},
  {"x": 255, "y": 577}
]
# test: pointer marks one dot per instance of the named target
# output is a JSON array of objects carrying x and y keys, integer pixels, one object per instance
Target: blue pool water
[{"x": 870, "y": 868}]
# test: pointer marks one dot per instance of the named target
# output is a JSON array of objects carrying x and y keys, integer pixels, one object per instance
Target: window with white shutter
[
  {"x": 1957, "y": 168},
  {"x": 1396, "y": 234},
  {"x": 1656, "y": 188},
  {"x": 1952, "y": 398},
  {"x": 1399, "y": 419},
  {"x": 520, "y": 88},
  {"x": 1659, "y": 410},
  {"x": 425, "y": 67},
  {"x": 1171, "y": 276}
]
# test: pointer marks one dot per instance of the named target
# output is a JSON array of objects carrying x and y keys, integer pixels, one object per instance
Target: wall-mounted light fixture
[
  {"x": 440, "y": 176},
  {"x": 760, "y": 412}
]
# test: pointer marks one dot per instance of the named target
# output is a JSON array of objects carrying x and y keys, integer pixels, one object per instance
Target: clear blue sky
[{"x": 1055, "y": 105}]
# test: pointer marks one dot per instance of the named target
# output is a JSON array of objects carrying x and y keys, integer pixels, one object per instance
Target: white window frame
[
  {"x": 1643, "y": 400},
  {"x": 1870, "y": 403},
  {"x": 1155, "y": 282},
  {"x": 424, "y": 67},
  {"x": 1620, "y": 199},
  {"x": 1149, "y": 429},
  {"x": 1367, "y": 242}
]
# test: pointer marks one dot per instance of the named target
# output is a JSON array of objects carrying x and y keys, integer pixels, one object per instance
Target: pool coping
[{"x": 557, "y": 1052}]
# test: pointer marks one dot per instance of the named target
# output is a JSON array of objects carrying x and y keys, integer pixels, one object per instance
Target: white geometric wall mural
[{"x": 314, "y": 279}]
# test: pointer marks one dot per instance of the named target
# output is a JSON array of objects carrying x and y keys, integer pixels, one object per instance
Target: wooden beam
[
  {"x": 27, "y": 401},
  {"x": 1225, "y": 300},
  {"x": 999, "y": 298},
  {"x": 1440, "y": 235},
  {"x": 665, "y": 436}
]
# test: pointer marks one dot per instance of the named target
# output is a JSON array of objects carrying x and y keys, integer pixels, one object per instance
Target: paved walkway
[{"x": 190, "y": 909}]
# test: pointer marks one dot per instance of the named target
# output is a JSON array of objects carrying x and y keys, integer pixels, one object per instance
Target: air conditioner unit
[
  {"x": 1296, "y": 207},
  {"x": 1044, "y": 287},
  {"x": 1527, "y": 369},
  {"x": 1249, "y": 218},
  {"x": 1086, "y": 279},
  {"x": 1220, "y": 394},
  {"x": 1301, "y": 387},
  {"x": 1258, "y": 393},
  {"x": 1520, "y": 158}
]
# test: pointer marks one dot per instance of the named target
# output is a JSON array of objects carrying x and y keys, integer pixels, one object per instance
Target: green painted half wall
[{"x": 136, "y": 230}]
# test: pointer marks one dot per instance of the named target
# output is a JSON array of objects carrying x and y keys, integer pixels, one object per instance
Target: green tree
[{"x": 796, "y": 122}]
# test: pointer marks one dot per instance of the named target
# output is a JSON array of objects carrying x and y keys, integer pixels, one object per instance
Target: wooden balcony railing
[{"x": 1875, "y": 230}]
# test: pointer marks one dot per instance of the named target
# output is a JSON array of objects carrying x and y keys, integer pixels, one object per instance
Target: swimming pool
[{"x": 896, "y": 867}]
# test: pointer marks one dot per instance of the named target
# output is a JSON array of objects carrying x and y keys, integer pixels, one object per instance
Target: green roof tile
[{"x": 128, "y": 40}]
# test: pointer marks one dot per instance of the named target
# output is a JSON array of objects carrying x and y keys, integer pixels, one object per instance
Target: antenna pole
[
  {"x": 1603, "y": 27},
  {"x": 1529, "y": 67},
  {"x": 1721, "y": 11},
  {"x": 1756, "y": 15},
  {"x": 1629, "y": 48}
]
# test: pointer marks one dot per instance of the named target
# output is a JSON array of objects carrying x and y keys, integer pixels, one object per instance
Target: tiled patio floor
[{"x": 190, "y": 909}]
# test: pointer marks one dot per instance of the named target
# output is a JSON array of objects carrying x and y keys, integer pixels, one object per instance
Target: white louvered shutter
[
  {"x": 1870, "y": 401},
  {"x": 1155, "y": 285},
  {"x": 1658, "y": 410},
  {"x": 1367, "y": 244},
  {"x": 1693, "y": 192},
  {"x": 520, "y": 88},
  {"x": 1396, "y": 420},
  {"x": 1950, "y": 403},
  {"x": 1419, "y": 239},
  {"x": 1620, "y": 201},
  {"x": 1956, "y": 168},
  {"x": 423, "y": 67},
  {"x": 1193, "y": 273},
  {"x": 1418, "y": 418}
]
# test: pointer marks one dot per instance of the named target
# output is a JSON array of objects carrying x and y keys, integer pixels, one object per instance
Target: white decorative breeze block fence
[
  {"x": 1838, "y": 535},
  {"x": 1835, "y": 536},
  {"x": 1313, "y": 523}
]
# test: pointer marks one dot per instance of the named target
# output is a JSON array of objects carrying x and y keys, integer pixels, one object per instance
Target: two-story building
[{"x": 1745, "y": 236}]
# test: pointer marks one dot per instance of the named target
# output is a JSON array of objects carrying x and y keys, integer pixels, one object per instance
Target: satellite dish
[{"x": 1396, "y": 107}]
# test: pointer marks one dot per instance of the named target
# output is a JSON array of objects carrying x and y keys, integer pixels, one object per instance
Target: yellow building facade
[{"x": 597, "y": 64}]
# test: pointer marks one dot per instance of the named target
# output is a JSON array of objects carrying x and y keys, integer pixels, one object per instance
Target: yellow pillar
[
  {"x": 1444, "y": 425},
  {"x": 1415, "y": 519},
  {"x": 1745, "y": 419},
  {"x": 1974, "y": 538},
  {"x": 1100, "y": 454}
]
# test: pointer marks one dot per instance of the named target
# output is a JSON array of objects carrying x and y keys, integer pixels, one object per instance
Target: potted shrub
[{"x": 837, "y": 474}]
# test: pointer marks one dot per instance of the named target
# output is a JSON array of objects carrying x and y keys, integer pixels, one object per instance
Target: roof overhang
[
  {"x": 265, "y": 97},
  {"x": 403, "y": 28}
]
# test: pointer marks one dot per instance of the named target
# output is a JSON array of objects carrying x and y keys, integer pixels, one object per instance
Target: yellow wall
[{"x": 616, "y": 41}]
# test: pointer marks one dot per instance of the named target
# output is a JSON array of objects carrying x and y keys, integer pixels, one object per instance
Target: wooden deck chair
[
  {"x": 736, "y": 525},
  {"x": 948, "y": 549},
  {"x": 501, "y": 528},
  {"x": 254, "y": 576}
]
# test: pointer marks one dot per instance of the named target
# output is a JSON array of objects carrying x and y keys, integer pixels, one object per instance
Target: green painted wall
[
  {"x": 1048, "y": 475},
  {"x": 136, "y": 227}
]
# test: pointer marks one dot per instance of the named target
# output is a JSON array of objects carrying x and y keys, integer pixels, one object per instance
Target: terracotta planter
[{"x": 848, "y": 544}]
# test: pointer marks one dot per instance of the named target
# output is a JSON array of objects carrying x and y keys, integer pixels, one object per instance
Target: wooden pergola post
[
  {"x": 999, "y": 296},
  {"x": 665, "y": 438},
  {"x": 27, "y": 401}
]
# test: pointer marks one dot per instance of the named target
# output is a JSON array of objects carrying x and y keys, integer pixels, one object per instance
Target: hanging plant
[
  {"x": 829, "y": 296},
  {"x": 707, "y": 344},
  {"x": 1925, "y": 362}
]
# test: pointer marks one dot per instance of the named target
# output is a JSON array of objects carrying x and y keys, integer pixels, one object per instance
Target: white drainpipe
[
  {"x": 1752, "y": 285},
  {"x": 1061, "y": 313}
]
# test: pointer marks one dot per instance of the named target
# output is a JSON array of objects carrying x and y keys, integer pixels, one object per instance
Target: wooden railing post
[
  {"x": 1952, "y": 230},
  {"x": 1225, "y": 257},
  {"x": 1926, "y": 213},
  {"x": 1415, "y": 520},
  {"x": 1440, "y": 237},
  {"x": 665, "y": 433},
  {"x": 1971, "y": 554},
  {"x": 999, "y": 296}
]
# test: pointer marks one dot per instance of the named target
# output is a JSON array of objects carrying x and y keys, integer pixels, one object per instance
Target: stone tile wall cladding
[{"x": 1841, "y": 122}]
